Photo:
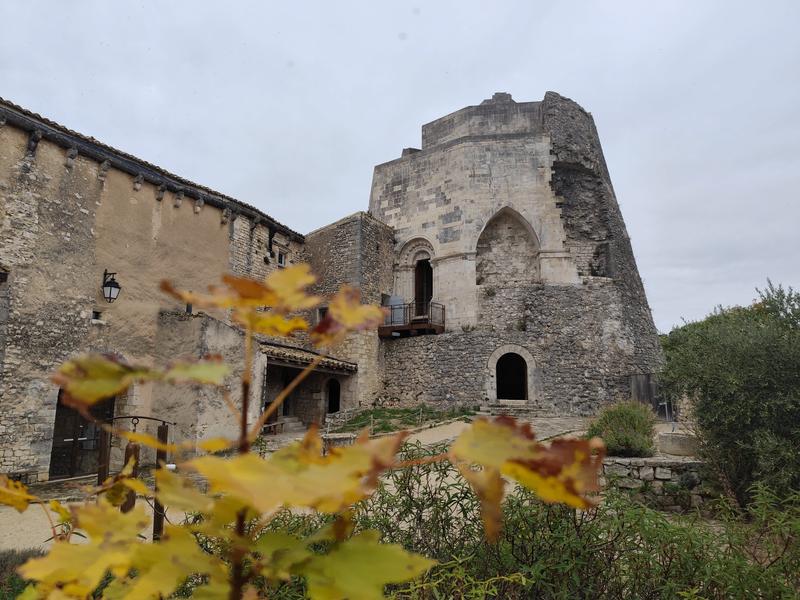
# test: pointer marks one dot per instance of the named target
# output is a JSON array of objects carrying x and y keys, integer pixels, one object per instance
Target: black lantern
[{"x": 111, "y": 288}]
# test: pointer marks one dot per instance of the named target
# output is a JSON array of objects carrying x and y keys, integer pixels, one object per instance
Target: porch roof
[{"x": 291, "y": 356}]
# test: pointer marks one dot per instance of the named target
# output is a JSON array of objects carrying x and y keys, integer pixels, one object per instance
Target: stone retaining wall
[{"x": 675, "y": 484}]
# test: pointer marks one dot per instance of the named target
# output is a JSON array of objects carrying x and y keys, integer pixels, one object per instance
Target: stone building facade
[{"x": 498, "y": 245}]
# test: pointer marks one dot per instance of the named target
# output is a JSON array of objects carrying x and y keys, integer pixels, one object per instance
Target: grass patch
[{"x": 396, "y": 419}]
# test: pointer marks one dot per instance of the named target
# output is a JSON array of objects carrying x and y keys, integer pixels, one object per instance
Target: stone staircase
[
  {"x": 520, "y": 409},
  {"x": 292, "y": 425}
]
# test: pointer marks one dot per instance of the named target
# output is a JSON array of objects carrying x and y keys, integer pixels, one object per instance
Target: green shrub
[
  {"x": 11, "y": 584},
  {"x": 626, "y": 428},
  {"x": 618, "y": 550},
  {"x": 740, "y": 367}
]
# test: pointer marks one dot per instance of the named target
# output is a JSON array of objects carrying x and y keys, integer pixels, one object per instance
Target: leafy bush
[
  {"x": 618, "y": 550},
  {"x": 11, "y": 584},
  {"x": 740, "y": 367},
  {"x": 626, "y": 428}
]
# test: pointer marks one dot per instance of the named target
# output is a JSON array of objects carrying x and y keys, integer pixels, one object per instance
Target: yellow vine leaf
[
  {"x": 269, "y": 323},
  {"x": 15, "y": 494},
  {"x": 566, "y": 470},
  {"x": 89, "y": 378},
  {"x": 346, "y": 314},
  {"x": 288, "y": 285},
  {"x": 216, "y": 444},
  {"x": 147, "y": 440},
  {"x": 281, "y": 552},
  {"x": 490, "y": 489},
  {"x": 299, "y": 476},
  {"x": 64, "y": 515},
  {"x": 162, "y": 567},
  {"x": 209, "y": 371},
  {"x": 77, "y": 569},
  {"x": 284, "y": 291},
  {"x": 360, "y": 568},
  {"x": 176, "y": 491}
]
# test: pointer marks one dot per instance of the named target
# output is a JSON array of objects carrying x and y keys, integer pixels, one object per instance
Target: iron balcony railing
[{"x": 411, "y": 313}]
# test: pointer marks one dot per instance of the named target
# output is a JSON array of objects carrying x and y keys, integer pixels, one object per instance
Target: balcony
[{"x": 413, "y": 318}]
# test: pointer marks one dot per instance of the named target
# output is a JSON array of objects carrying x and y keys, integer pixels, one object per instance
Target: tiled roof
[
  {"x": 92, "y": 148},
  {"x": 302, "y": 357}
]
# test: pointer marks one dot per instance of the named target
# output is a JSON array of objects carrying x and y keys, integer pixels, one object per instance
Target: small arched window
[{"x": 512, "y": 377}]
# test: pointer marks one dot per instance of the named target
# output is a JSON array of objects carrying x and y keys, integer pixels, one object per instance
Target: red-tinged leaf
[{"x": 345, "y": 315}]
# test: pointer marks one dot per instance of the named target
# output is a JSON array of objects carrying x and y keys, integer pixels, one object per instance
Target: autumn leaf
[
  {"x": 289, "y": 285},
  {"x": 284, "y": 291},
  {"x": 209, "y": 371},
  {"x": 345, "y": 315},
  {"x": 146, "y": 440},
  {"x": 77, "y": 569},
  {"x": 565, "y": 470},
  {"x": 270, "y": 323},
  {"x": 89, "y": 378},
  {"x": 281, "y": 552},
  {"x": 176, "y": 491},
  {"x": 360, "y": 568},
  {"x": 15, "y": 494},
  {"x": 64, "y": 515},
  {"x": 215, "y": 444},
  {"x": 299, "y": 476},
  {"x": 162, "y": 567}
]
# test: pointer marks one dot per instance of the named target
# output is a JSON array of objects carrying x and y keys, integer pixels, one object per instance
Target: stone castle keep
[{"x": 498, "y": 247}]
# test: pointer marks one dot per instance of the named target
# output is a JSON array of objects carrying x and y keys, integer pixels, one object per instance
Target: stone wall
[
  {"x": 514, "y": 203},
  {"x": 672, "y": 484},
  {"x": 70, "y": 208},
  {"x": 583, "y": 352},
  {"x": 358, "y": 251}
]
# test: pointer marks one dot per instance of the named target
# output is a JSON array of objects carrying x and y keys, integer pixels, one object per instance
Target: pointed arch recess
[{"x": 507, "y": 251}]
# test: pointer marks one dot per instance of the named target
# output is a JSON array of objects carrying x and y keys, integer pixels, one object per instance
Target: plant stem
[{"x": 238, "y": 576}]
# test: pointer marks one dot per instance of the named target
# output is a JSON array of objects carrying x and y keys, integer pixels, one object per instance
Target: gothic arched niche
[{"x": 507, "y": 252}]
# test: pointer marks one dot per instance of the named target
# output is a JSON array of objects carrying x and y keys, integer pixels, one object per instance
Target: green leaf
[{"x": 360, "y": 568}]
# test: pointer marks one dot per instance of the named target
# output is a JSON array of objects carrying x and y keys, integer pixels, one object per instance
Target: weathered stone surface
[
  {"x": 663, "y": 473},
  {"x": 510, "y": 202},
  {"x": 646, "y": 473}
]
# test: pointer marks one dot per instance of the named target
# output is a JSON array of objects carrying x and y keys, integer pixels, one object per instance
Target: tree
[{"x": 740, "y": 369}]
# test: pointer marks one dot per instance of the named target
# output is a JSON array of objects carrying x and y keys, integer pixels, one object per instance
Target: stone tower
[{"x": 506, "y": 217}]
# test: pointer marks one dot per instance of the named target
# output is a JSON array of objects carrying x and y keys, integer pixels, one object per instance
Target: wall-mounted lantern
[{"x": 111, "y": 288}]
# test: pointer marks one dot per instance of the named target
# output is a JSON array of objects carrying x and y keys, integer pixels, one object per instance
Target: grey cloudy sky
[{"x": 289, "y": 106}]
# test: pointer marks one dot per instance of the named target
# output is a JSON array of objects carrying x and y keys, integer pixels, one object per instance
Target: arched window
[
  {"x": 507, "y": 251},
  {"x": 512, "y": 377},
  {"x": 334, "y": 396}
]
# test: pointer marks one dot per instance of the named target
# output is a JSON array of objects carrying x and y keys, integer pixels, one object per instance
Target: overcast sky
[{"x": 289, "y": 106}]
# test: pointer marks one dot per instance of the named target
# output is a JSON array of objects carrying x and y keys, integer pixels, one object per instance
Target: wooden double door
[{"x": 76, "y": 440}]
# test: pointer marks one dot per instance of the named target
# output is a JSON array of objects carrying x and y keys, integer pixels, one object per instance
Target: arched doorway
[
  {"x": 423, "y": 286},
  {"x": 334, "y": 395},
  {"x": 512, "y": 377}
]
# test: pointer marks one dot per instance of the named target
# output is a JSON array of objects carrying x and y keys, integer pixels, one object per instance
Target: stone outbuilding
[{"x": 498, "y": 248}]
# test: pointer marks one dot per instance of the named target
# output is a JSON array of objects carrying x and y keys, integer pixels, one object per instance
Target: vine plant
[{"x": 245, "y": 490}]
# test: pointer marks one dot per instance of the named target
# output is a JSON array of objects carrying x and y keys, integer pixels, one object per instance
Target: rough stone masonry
[{"x": 498, "y": 248}]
